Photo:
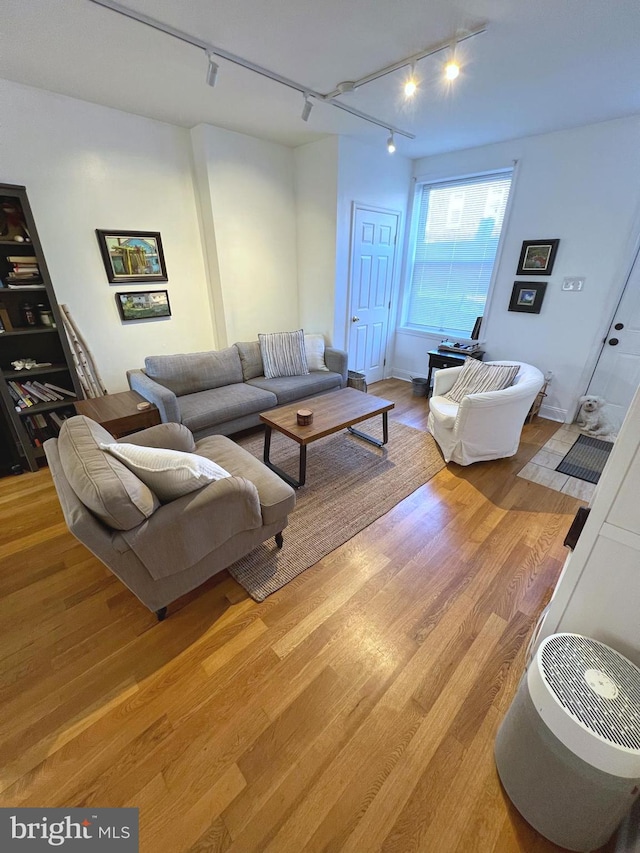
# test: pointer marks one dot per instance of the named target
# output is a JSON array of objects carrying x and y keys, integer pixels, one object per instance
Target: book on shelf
[
  {"x": 57, "y": 419},
  {"x": 19, "y": 402},
  {"x": 4, "y": 318},
  {"x": 53, "y": 395},
  {"x": 60, "y": 390},
  {"x": 27, "y": 275},
  {"x": 22, "y": 259},
  {"x": 22, "y": 394},
  {"x": 36, "y": 285},
  {"x": 23, "y": 267},
  {"x": 34, "y": 393}
]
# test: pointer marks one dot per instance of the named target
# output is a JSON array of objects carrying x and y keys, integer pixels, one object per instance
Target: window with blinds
[{"x": 457, "y": 234}]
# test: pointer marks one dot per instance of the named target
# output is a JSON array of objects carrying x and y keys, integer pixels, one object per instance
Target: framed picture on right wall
[
  {"x": 537, "y": 257},
  {"x": 527, "y": 296}
]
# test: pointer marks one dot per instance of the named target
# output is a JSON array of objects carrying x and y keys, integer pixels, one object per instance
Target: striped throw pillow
[
  {"x": 283, "y": 354},
  {"x": 476, "y": 377}
]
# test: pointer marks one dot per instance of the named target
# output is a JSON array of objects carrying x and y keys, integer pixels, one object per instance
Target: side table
[
  {"x": 118, "y": 413},
  {"x": 439, "y": 360}
]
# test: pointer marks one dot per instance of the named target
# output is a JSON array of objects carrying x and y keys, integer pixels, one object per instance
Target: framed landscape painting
[
  {"x": 143, "y": 305},
  {"x": 131, "y": 256},
  {"x": 537, "y": 257},
  {"x": 527, "y": 296}
]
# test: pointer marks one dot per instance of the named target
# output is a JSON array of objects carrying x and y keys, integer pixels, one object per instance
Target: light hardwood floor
[{"x": 305, "y": 723}]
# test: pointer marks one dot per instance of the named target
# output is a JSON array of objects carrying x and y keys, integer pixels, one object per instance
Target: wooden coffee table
[{"x": 332, "y": 412}]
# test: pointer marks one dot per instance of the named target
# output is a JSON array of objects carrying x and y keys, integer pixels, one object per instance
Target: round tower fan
[{"x": 568, "y": 749}]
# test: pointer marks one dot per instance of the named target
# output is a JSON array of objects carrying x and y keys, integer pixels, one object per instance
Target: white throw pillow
[
  {"x": 168, "y": 473},
  {"x": 283, "y": 354},
  {"x": 314, "y": 349},
  {"x": 477, "y": 377}
]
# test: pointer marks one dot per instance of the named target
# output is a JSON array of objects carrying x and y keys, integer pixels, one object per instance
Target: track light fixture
[
  {"x": 411, "y": 85},
  {"x": 212, "y": 70},
  {"x": 391, "y": 145},
  {"x": 451, "y": 70},
  {"x": 307, "y": 107},
  {"x": 329, "y": 97}
]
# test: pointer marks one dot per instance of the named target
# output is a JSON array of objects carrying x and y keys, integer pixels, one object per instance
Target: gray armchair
[{"x": 162, "y": 551}]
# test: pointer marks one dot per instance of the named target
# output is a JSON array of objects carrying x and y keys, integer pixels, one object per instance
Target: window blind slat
[{"x": 457, "y": 234}]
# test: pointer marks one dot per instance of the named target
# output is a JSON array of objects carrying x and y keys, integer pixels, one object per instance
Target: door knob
[
  {"x": 354, "y": 319},
  {"x": 613, "y": 342}
]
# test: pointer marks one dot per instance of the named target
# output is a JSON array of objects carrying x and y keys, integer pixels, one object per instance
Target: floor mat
[{"x": 586, "y": 459}]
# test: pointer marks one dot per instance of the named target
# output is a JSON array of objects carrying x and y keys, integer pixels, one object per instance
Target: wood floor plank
[{"x": 353, "y": 710}]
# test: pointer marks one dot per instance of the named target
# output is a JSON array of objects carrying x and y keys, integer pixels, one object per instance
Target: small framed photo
[
  {"x": 537, "y": 257},
  {"x": 143, "y": 305},
  {"x": 527, "y": 296},
  {"x": 131, "y": 256}
]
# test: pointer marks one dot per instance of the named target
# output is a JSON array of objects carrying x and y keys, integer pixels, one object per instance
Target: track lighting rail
[{"x": 329, "y": 97}]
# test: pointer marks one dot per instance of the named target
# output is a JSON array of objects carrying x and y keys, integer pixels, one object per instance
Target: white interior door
[
  {"x": 373, "y": 260},
  {"x": 617, "y": 373}
]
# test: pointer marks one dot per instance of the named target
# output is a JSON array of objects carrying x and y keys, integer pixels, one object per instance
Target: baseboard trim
[
  {"x": 552, "y": 413},
  {"x": 400, "y": 374}
]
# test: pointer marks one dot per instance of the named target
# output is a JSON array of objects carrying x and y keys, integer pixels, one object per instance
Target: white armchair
[{"x": 483, "y": 426}]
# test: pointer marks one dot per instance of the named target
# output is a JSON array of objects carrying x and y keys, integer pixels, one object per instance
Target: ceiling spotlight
[
  {"x": 306, "y": 109},
  {"x": 212, "y": 70},
  {"x": 410, "y": 86},
  {"x": 391, "y": 145},
  {"x": 451, "y": 70}
]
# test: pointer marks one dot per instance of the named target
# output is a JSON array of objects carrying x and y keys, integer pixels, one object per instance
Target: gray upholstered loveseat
[{"x": 222, "y": 392}]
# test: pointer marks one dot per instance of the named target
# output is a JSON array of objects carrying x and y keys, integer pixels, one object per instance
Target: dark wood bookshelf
[{"x": 19, "y": 239}]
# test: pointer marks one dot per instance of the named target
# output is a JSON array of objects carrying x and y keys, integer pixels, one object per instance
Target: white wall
[
  {"x": 316, "y": 180},
  {"x": 582, "y": 186},
  {"x": 87, "y": 167},
  {"x": 249, "y": 190},
  {"x": 370, "y": 176}
]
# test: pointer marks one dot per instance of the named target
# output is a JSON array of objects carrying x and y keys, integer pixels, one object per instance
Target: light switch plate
[{"x": 573, "y": 283}]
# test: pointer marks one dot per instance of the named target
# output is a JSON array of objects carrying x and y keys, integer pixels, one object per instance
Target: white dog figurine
[{"x": 592, "y": 417}]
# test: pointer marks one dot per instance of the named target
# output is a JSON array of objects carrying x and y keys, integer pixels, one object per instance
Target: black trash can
[{"x": 420, "y": 386}]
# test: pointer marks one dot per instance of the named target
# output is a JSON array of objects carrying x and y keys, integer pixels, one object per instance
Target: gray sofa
[{"x": 222, "y": 392}]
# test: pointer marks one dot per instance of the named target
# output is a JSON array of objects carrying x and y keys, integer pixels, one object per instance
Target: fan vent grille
[{"x": 565, "y": 659}]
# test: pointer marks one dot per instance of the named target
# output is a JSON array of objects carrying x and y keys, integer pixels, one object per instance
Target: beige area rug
[{"x": 350, "y": 483}]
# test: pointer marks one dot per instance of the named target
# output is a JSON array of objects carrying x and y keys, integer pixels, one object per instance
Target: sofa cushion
[
  {"x": 250, "y": 358},
  {"x": 188, "y": 373},
  {"x": 170, "y": 473},
  {"x": 277, "y": 498},
  {"x": 283, "y": 354},
  {"x": 288, "y": 389},
  {"x": 209, "y": 408},
  {"x": 104, "y": 485},
  {"x": 477, "y": 377},
  {"x": 445, "y": 411},
  {"x": 314, "y": 350}
]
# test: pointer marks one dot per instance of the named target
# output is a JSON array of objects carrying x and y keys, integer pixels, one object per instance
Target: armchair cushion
[
  {"x": 283, "y": 354},
  {"x": 477, "y": 377},
  {"x": 169, "y": 473},
  {"x": 184, "y": 531},
  {"x": 105, "y": 486}
]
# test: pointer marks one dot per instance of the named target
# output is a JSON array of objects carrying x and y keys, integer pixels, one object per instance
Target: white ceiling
[{"x": 542, "y": 65}]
